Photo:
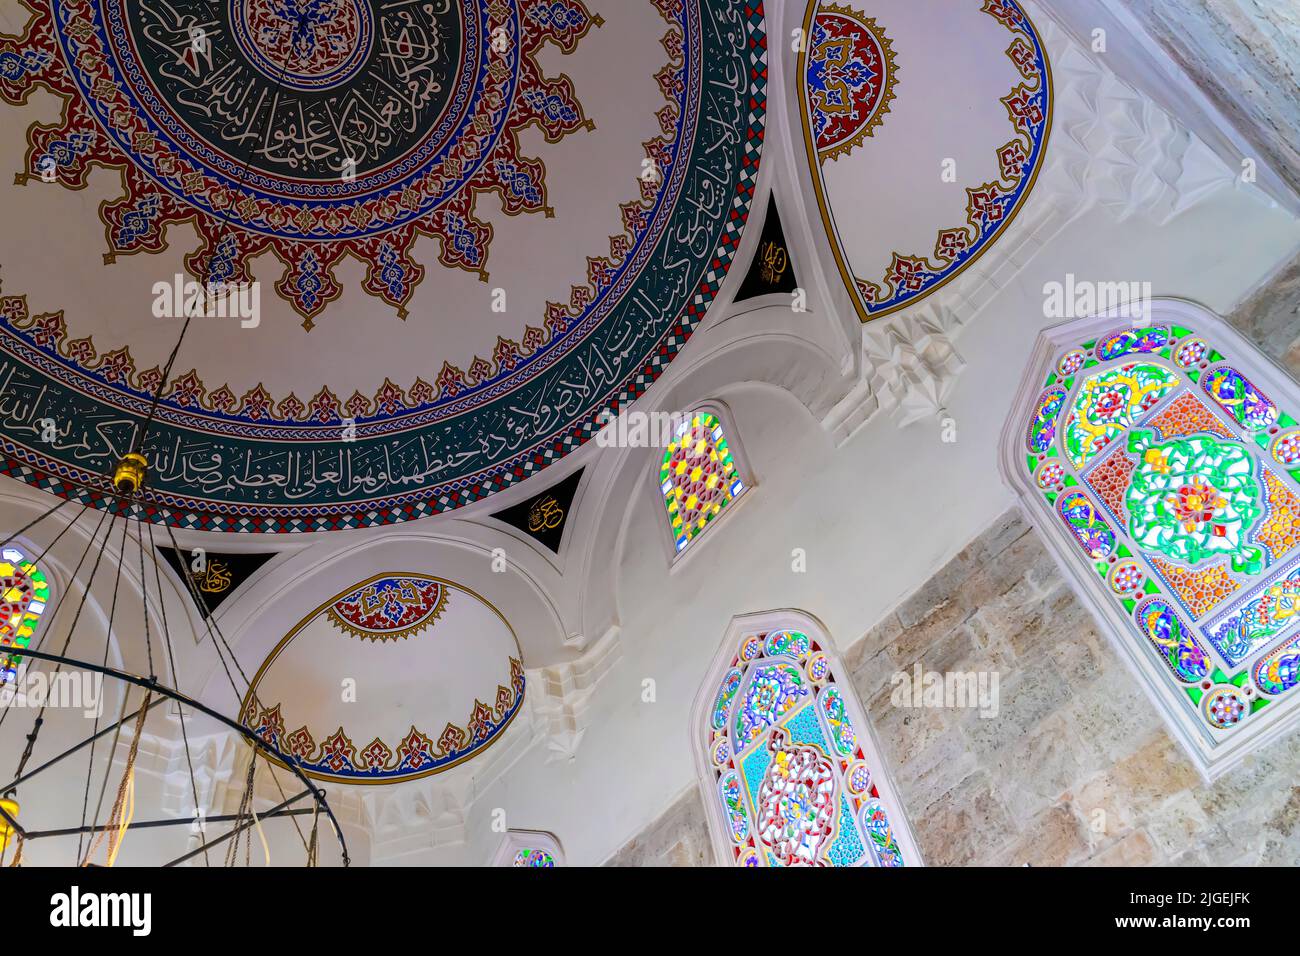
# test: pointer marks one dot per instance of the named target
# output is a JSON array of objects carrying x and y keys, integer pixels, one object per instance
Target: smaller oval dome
[{"x": 401, "y": 676}]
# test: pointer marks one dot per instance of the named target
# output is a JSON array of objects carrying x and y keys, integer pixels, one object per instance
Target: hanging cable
[
  {"x": 108, "y": 638},
  {"x": 32, "y": 524},
  {"x": 175, "y": 680},
  {"x": 40, "y": 715},
  {"x": 124, "y": 806},
  {"x": 144, "y": 597},
  {"x": 128, "y": 480},
  {"x": 37, "y": 561}
]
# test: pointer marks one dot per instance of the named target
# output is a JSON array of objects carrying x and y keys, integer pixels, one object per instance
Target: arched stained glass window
[
  {"x": 1163, "y": 462},
  {"x": 791, "y": 777},
  {"x": 529, "y": 848},
  {"x": 533, "y": 857},
  {"x": 24, "y": 593},
  {"x": 699, "y": 476}
]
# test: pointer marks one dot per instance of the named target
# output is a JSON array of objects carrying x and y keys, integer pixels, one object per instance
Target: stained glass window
[
  {"x": 24, "y": 592},
  {"x": 1175, "y": 479},
  {"x": 532, "y": 857},
  {"x": 698, "y": 477},
  {"x": 529, "y": 848},
  {"x": 790, "y": 776}
]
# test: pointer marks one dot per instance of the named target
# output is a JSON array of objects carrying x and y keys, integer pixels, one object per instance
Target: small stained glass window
[
  {"x": 532, "y": 857},
  {"x": 24, "y": 593},
  {"x": 699, "y": 477},
  {"x": 535, "y": 848}
]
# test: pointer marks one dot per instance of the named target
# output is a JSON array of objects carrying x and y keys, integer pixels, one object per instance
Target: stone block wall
[
  {"x": 1076, "y": 767},
  {"x": 1271, "y": 318},
  {"x": 680, "y": 837},
  {"x": 1245, "y": 56}
]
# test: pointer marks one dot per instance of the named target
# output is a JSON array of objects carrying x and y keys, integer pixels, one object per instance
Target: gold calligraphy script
[
  {"x": 213, "y": 580},
  {"x": 546, "y": 515},
  {"x": 775, "y": 262}
]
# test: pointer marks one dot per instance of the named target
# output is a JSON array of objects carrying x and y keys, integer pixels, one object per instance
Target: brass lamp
[{"x": 128, "y": 477}]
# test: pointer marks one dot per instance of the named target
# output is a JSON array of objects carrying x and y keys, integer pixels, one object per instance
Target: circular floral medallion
[
  {"x": 1194, "y": 498},
  {"x": 1286, "y": 449},
  {"x": 1190, "y": 353},
  {"x": 1072, "y": 362},
  {"x": 318, "y": 131},
  {"x": 859, "y": 778},
  {"x": 1050, "y": 476},
  {"x": 303, "y": 44},
  {"x": 1225, "y": 706},
  {"x": 819, "y": 668},
  {"x": 1126, "y": 578},
  {"x": 850, "y": 79}
]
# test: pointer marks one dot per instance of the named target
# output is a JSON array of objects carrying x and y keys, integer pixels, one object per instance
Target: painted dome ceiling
[
  {"x": 961, "y": 90},
  {"x": 453, "y": 232},
  {"x": 401, "y": 676}
]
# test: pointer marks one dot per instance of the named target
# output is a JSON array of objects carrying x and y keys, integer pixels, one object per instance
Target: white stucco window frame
[
  {"x": 764, "y": 622},
  {"x": 1212, "y": 752}
]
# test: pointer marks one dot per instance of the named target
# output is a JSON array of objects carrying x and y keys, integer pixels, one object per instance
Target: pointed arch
[
  {"x": 774, "y": 722},
  {"x": 1159, "y": 459}
]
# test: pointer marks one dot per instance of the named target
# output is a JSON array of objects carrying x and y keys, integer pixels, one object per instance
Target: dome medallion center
[{"x": 304, "y": 44}]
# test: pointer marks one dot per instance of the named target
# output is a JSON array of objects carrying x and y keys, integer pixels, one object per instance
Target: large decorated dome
[{"x": 449, "y": 234}]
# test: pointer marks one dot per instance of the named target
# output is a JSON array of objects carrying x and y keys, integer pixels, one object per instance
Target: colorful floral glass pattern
[
  {"x": 1197, "y": 540},
  {"x": 1159, "y": 621},
  {"x": 1280, "y": 671},
  {"x": 1276, "y": 608},
  {"x": 837, "y": 717},
  {"x": 729, "y": 788},
  {"x": 1194, "y": 498},
  {"x": 773, "y": 692},
  {"x": 1239, "y": 397},
  {"x": 24, "y": 593},
  {"x": 1109, "y": 402},
  {"x": 1042, "y": 430},
  {"x": 1087, "y": 525},
  {"x": 1286, "y": 450},
  {"x": 876, "y": 822},
  {"x": 698, "y": 477},
  {"x": 726, "y": 694},
  {"x": 1127, "y": 341},
  {"x": 529, "y": 857},
  {"x": 793, "y": 783}
]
